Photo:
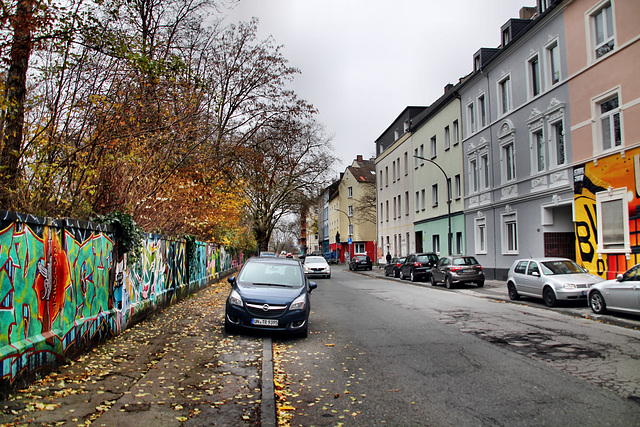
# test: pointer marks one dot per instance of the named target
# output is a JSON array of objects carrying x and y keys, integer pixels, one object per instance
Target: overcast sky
[{"x": 363, "y": 61}]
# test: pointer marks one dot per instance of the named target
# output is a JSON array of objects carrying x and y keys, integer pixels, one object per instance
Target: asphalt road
[{"x": 388, "y": 352}]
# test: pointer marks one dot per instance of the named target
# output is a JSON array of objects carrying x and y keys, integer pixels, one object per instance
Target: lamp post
[
  {"x": 348, "y": 232},
  {"x": 446, "y": 178}
]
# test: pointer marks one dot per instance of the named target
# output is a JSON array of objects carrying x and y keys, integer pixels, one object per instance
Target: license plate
[
  {"x": 468, "y": 271},
  {"x": 264, "y": 322}
]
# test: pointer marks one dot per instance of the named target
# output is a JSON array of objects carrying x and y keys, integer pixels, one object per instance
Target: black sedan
[
  {"x": 418, "y": 266},
  {"x": 360, "y": 262},
  {"x": 393, "y": 268},
  {"x": 269, "y": 294}
]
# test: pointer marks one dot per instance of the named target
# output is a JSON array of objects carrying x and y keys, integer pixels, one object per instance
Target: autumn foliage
[{"x": 150, "y": 107}]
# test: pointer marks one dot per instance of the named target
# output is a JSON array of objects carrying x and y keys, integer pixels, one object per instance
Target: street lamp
[
  {"x": 348, "y": 232},
  {"x": 446, "y": 178}
]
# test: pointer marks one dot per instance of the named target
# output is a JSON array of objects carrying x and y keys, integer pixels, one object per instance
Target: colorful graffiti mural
[
  {"x": 61, "y": 290},
  {"x": 619, "y": 171}
]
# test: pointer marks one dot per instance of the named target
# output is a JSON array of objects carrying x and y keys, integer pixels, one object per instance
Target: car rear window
[
  {"x": 427, "y": 258},
  {"x": 468, "y": 260}
]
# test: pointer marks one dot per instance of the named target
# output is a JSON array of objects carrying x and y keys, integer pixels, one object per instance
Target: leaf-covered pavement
[{"x": 176, "y": 368}]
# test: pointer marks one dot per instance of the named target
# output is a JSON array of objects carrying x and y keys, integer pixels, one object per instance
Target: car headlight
[
  {"x": 235, "y": 299},
  {"x": 298, "y": 303},
  {"x": 569, "y": 286},
  {"x": 306, "y": 269}
]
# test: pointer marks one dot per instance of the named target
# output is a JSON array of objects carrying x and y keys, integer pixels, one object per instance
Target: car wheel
[
  {"x": 432, "y": 280},
  {"x": 513, "y": 292},
  {"x": 596, "y": 301},
  {"x": 549, "y": 297},
  {"x": 481, "y": 284},
  {"x": 401, "y": 275},
  {"x": 412, "y": 276},
  {"x": 447, "y": 282},
  {"x": 229, "y": 328}
]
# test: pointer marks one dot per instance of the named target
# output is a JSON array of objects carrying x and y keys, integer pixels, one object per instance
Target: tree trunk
[{"x": 16, "y": 88}]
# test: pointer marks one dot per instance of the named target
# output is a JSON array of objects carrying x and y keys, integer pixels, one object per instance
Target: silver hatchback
[{"x": 551, "y": 279}]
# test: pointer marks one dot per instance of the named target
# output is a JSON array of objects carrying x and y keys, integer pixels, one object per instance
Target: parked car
[
  {"x": 393, "y": 268},
  {"x": 360, "y": 261},
  {"x": 266, "y": 253},
  {"x": 551, "y": 279},
  {"x": 456, "y": 270},
  {"x": 269, "y": 294},
  {"x": 316, "y": 266},
  {"x": 418, "y": 266},
  {"x": 621, "y": 294}
]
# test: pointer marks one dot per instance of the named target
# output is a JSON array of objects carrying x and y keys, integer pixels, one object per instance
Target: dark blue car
[{"x": 269, "y": 294}]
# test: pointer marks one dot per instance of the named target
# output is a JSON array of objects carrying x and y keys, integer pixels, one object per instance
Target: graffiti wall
[
  {"x": 61, "y": 290},
  {"x": 617, "y": 177}
]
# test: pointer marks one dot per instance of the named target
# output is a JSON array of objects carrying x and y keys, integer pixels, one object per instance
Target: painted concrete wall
[{"x": 62, "y": 291}]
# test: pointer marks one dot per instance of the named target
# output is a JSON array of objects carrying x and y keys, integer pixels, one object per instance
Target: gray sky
[{"x": 364, "y": 61}]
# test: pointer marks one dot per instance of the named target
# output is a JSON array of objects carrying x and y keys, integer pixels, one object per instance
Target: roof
[{"x": 365, "y": 171}]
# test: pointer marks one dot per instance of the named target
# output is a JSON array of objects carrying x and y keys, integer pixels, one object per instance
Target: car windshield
[
  {"x": 362, "y": 257},
  {"x": 271, "y": 274},
  {"x": 561, "y": 267},
  {"x": 467, "y": 260},
  {"x": 315, "y": 260}
]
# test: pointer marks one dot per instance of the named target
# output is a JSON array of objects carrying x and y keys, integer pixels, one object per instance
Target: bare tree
[{"x": 365, "y": 205}]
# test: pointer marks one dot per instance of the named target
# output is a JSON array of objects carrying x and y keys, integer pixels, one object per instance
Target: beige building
[{"x": 351, "y": 211}]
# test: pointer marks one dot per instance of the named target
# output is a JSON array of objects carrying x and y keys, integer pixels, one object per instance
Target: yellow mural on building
[{"x": 621, "y": 170}]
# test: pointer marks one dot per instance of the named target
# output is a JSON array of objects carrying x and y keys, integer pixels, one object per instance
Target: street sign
[{"x": 349, "y": 241}]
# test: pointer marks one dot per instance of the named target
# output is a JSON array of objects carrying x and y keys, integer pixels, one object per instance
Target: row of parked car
[{"x": 550, "y": 279}]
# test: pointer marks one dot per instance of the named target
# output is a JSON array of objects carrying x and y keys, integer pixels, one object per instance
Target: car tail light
[
  {"x": 455, "y": 268},
  {"x": 478, "y": 267},
  {"x": 398, "y": 265},
  {"x": 417, "y": 264}
]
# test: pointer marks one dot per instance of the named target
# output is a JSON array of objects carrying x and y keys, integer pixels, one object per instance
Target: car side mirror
[
  {"x": 312, "y": 286},
  {"x": 619, "y": 277},
  {"x": 535, "y": 273},
  {"x": 231, "y": 280}
]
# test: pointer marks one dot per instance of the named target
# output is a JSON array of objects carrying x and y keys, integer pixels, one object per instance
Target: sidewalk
[{"x": 176, "y": 368}]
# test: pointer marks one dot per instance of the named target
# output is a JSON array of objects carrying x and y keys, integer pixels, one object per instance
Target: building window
[
  {"x": 387, "y": 210},
  {"x": 386, "y": 176},
  {"x": 447, "y": 138},
  {"x": 481, "y": 235},
  {"x": 381, "y": 213},
  {"x": 509, "y": 233},
  {"x": 434, "y": 147},
  {"x": 349, "y": 192},
  {"x": 534, "y": 76},
  {"x": 393, "y": 168},
  {"x": 458, "y": 186},
  {"x": 359, "y": 248},
  {"x": 504, "y": 90},
  {"x": 424, "y": 199},
  {"x": 483, "y": 111},
  {"x": 421, "y": 154},
  {"x": 538, "y": 150},
  {"x": 613, "y": 221},
  {"x": 473, "y": 175},
  {"x": 406, "y": 163},
  {"x": 610, "y": 129},
  {"x": 435, "y": 243},
  {"x": 484, "y": 168},
  {"x": 553, "y": 55},
  {"x": 506, "y": 36},
  {"x": 456, "y": 134},
  {"x": 399, "y": 206},
  {"x": 350, "y": 210},
  {"x": 350, "y": 229},
  {"x": 434, "y": 195},
  {"x": 557, "y": 135},
  {"x": 602, "y": 30},
  {"x": 417, "y": 201},
  {"x": 398, "y": 163},
  {"x": 395, "y": 212},
  {"x": 415, "y": 158},
  {"x": 508, "y": 162},
  {"x": 471, "y": 117},
  {"x": 459, "y": 244},
  {"x": 406, "y": 203}
]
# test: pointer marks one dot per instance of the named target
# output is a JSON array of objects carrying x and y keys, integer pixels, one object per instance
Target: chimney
[
  {"x": 359, "y": 158},
  {"x": 448, "y": 87},
  {"x": 528, "y": 12}
]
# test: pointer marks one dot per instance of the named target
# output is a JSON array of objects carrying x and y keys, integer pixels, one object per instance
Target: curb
[{"x": 268, "y": 409}]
